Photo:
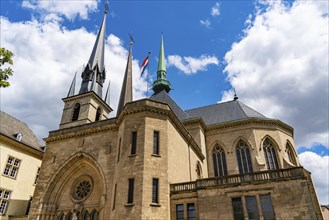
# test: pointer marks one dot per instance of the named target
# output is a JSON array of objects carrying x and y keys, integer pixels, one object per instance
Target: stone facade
[{"x": 101, "y": 153}]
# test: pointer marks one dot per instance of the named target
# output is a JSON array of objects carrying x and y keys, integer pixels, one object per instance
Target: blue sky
[{"x": 274, "y": 53}]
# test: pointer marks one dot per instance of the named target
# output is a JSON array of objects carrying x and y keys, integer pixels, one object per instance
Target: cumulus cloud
[
  {"x": 280, "y": 67},
  {"x": 190, "y": 65},
  {"x": 318, "y": 166},
  {"x": 206, "y": 23},
  {"x": 46, "y": 58},
  {"x": 53, "y": 9},
  {"x": 215, "y": 10}
]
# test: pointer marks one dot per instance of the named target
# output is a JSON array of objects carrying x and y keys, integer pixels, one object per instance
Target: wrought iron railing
[{"x": 268, "y": 175}]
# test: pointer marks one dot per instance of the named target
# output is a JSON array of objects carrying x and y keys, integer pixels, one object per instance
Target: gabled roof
[
  {"x": 11, "y": 126},
  {"x": 224, "y": 112},
  {"x": 164, "y": 97}
]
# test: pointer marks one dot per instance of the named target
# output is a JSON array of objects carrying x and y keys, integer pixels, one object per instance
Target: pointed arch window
[
  {"x": 98, "y": 114},
  {"x": 291, "y": 155},
  {"x": 61, "y": 217},
  {"x": 94, "y": 215},
  {"x": 219, "y": 160},
  {"x": 86, "y": 215},
  {"x": 243, "y": 156},
  {"x": 69, "y": 216},
  {"x": 270, "y": 155},
  {"x": 76, "y": 112}
]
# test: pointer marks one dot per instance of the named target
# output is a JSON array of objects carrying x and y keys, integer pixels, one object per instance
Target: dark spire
[
  {"x": 72, "y": 87},
  {"x": 161, "y": 83},
  {"x": 95, "y": 67},
  {"x": 107, "y": 96},
  {"x": 127, "y": 88}
]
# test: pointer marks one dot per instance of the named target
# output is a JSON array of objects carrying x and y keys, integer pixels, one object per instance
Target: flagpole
[{"x": 148, "y": 73}]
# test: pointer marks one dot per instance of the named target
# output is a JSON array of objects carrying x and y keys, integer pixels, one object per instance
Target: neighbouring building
[
  {"x": 20, "y": 160},
  {"x": 154, "y": 160}
]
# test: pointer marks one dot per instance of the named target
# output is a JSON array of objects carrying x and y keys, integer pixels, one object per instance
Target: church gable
[{"x": 78, "y": 185}]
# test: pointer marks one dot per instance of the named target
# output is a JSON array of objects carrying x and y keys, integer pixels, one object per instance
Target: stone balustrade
[{"x": 238, "y": 179}]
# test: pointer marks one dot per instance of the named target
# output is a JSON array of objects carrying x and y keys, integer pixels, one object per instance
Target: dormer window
[{"x": 19, "y": 137}]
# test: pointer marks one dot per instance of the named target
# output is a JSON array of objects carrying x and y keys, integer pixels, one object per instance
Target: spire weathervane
[
  {"x": 131, "y": 38},
  {"x": 106, "y": 7}
]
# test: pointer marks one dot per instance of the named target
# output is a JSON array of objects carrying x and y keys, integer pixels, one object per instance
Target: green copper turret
[{"x": 161, "y": 83}]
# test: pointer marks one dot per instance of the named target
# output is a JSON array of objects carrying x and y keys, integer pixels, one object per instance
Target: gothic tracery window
[
  {"x": 219, "y": 161},
  {"x": 290, "y": 154},
  {"x": 83, "y": 189},
  {"x": 244, "y": 159},
  {"x": 270, "y": 155}
]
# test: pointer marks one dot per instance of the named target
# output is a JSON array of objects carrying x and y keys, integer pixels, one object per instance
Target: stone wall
[{"x": 291, "y": 199}]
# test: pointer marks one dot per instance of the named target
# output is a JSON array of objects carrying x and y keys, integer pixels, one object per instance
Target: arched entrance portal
[{"x": 77, "y": 188}]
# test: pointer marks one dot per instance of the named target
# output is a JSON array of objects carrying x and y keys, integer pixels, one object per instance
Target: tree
[{"x": 5, "y": 57}]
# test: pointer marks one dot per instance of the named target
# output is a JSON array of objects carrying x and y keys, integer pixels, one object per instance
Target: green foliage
[{"x": 5, "y": 58}]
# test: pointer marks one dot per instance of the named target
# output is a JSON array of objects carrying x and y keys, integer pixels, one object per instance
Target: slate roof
[
  {"x": 164, "y": 97},
  {"x": 11, "y": 126},
  {"x": 211, "y": 114},
  {"x": 224, "y": 112}
]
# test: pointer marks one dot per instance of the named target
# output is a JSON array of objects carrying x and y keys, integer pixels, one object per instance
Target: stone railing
[
  {"x": 268, "y": 175},
  {"x": 24, "y": 217}
]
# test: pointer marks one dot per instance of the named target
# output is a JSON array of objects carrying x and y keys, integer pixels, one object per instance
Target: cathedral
[{"x": 154, "y": 160}]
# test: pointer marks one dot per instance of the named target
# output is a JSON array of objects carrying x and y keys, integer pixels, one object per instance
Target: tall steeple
[
  {"x": 161, "y": 83},
  {"x": 95, "y": 70},
  {"x": 88, "y": 106},
  {"x": 127, "y": 87}
]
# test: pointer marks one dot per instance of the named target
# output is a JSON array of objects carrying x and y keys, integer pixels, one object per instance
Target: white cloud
[
  {"x": 280, "y": 67},
  {"x": 46, "y": 58},
  {"x": 206, "y": 23},
  {"x": 318, "y": 166},
  {"x": 215, "y": 10},
  {"x": 190, "y": 65},
  {"x": 53, "y": 9}
]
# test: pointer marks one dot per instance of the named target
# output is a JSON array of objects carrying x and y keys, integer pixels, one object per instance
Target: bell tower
[{"x": 88, "y": 105}]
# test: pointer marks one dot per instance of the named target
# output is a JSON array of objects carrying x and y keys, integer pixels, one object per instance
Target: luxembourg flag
[{"x": 144, "y": 65}]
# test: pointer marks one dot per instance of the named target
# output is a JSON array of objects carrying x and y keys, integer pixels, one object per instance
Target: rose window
[{"x": 83, "y": 189}]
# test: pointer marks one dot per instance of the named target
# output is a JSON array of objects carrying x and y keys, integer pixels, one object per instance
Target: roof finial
[
  {"x": 235, "y": 96},
  {"x": 106, "y": 6}
]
